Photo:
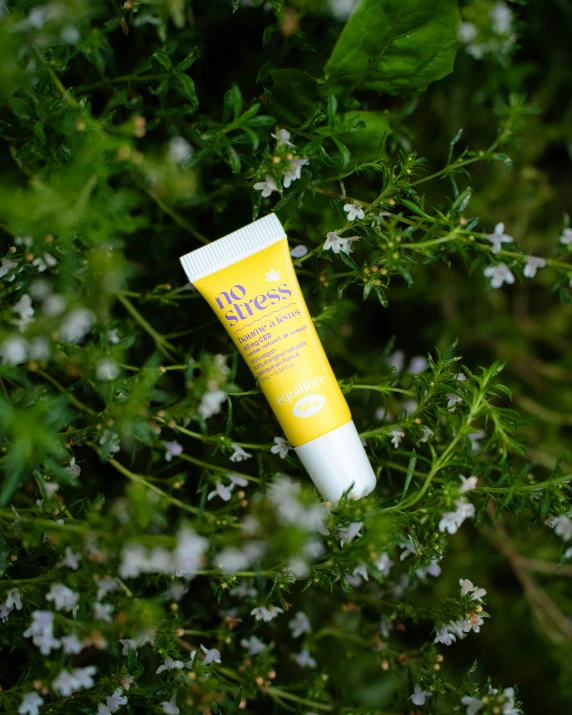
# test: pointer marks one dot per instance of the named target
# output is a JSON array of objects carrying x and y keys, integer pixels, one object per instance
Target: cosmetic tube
[{"x": 249, "y": 281}]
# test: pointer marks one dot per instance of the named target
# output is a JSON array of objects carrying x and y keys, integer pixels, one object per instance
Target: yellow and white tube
[{"x": 249, "y": 281}]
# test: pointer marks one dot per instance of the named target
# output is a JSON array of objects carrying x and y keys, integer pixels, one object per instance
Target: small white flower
[
  {"x": 220, "y": 490},
  {"x": 189, "y": 552},
  {"x": 532, "y": 265},
  {"x": 396, "y": 436},
  {"x": 25, "y": 312},
  {"x": 266, "y": 187},
  {"x": 383, "y": 564},
  {"x": 337, "y": 244},
  {"x": 169, "y": 664},
  {"x": 304, "y": 659},
  {"x": 41, "y": 632},
  {"x": 40, "y": 348},
  {"x": 53, "y": 305},
  {"x": 44, "y": 262},
  {"x": 170, "y": 706},
  {"x": 211, "y": 402},
  {"x": 377, "y": 220},
  {"x": 239, "y": 455},
  {"x": 357, "y": 576},
  {"x": 14, "y": 599},
  {"x": 562, "y": 525},
  {"x": 354, "y": 210},
  {"x": 397, "y": 360},
  {"x": 103, "y": 611},
  {"x": 408, "y": 549},
  {"x": 566, "y": 237},
  {"x": 128, "y": 644},
  {"x": 76, "y": 324},
  {"x": 107, "y": 369},
  {"x": 4, "y": 612},
  {"x": 473, "y": 704},
  {"x": 172, "y": 449},
  {"x": 63, "y": 597},
  {"x": 475, "y": 438},
  {"x": 499, "y": 274},
  {"x": 179, "y": 149},
  {"x": 299, "y": 625},
  {"x": 502, "y": 18},
  {"x": 299, "y": 251},
  {"x": 417, "y": 365},
  {"x": 453, "y": 400},
  {"x": 349, "y": 533},
  {"x": 266, "y": 613},
  {"x": 283, "y": 137},
  {"x": 419, "y": 696},
  {"x": 426, "y": 434},
  {"x": 468, "y": 483},
  {"x": 272, "y": 276},
  {"x": 6, "y": 267},
  {"x": 112, "y": 336},
  {"x": 443, "y": 636},
  {"x": 14, "y": 350},
  {"x": 67, "y": 683},
  {"x": 466, "y": 32},
  {"x": 212, "y": 655},
  {"x": 282, "y": 447},
  {"x": 50, "y": 488},
  {"x": 70, "y": 559},
  {"x": 452, "y": 520},
  {"x": 31, "y": 702},
  {"x": 236, "y": 480},
  {"x": 294, "y": 171},
  {"x": 253, "y": 645},
  {"x": 73, "y": 468},
  {"x": 499, "y": 237},
  {"x": 71, "y": 644},
  {"x": 105, "y": 586}
]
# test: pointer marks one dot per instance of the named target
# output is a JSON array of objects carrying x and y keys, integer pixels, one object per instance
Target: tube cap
[{"x": 336, "y": 461}]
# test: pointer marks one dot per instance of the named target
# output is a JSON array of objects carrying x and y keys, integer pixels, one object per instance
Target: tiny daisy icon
[{"x": 272, "y": 276}]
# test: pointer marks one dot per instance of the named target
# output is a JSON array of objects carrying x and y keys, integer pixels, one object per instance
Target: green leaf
[
  {"x": 186, "y": 87},
  {"x": 187, "y": 62},
  {"x": 366, "y": 143},
  {"x": 394, "y": 46},
  {"x": 163, "y": 86},
  {"x": 409, "y": 475},
  {"x": 293, "y": 95},
  {"x": 163, "y": 60}
]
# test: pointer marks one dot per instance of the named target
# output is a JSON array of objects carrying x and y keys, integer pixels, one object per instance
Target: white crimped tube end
[
  {"x": 337, "y": 461},
  {"x": 232, "y": 248}
]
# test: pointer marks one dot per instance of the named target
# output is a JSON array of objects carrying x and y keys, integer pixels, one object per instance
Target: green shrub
[{"x": 141, "y": 571}]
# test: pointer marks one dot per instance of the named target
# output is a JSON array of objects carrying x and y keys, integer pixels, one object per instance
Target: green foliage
[
  {"x": 394, "y": 46},
  {"x": 148, "y": 507}
]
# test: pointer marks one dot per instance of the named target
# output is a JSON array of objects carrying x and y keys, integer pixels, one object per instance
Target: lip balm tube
[{"x": 249, "y": 281}]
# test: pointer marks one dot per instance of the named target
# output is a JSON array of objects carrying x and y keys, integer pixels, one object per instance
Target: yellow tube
[{"x": 249, "y": 281}]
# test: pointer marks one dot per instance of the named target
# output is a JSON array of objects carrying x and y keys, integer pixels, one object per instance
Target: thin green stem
[{"x": 162, "y": 344}]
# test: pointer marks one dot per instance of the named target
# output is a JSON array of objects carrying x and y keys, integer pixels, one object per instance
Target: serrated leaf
[{"x": 394, "y": 46}]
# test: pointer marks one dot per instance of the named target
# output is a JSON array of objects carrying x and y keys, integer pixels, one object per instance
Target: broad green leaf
[
  {"x": 293, "y": 95},
  {"x": 394, "y": 46},
  {"x": 366, "y": 143}
]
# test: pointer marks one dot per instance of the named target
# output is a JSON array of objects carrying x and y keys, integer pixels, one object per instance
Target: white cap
[{"x": 335, "y": 461}]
